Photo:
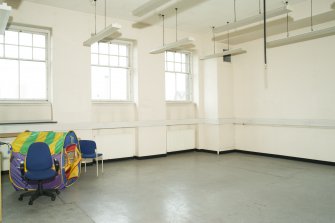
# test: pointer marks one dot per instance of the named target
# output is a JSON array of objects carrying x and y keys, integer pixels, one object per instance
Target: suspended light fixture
[
  {"x": 253, "y": 19},
  {"x": 106, "y": 34},
  {"x": 228, "y": 52},
  {"x": 313, "y": 34},
  {"x": 175, "y": 46},
  {"x": 4, "y": 16}
]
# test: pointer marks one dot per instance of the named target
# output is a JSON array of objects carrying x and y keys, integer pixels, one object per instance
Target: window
[
  {"x": 110, "y": 71},
  {"x": 24, "y": 65},
  {"x": 177, "y": 76}
]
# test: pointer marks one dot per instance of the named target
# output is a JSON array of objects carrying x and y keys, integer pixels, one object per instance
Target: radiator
[
  {"x": 182, "y": 139},
  {"x": 116, "y": 145}
]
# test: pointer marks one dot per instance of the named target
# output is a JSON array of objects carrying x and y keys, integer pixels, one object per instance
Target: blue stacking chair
[
  {"x": 39, "y": 166},
  {"x": 88, "y": 150}
]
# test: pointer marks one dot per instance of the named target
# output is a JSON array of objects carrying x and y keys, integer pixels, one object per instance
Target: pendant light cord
[
  {"x": 228, "y": 37},
  {"x": 163, "y": 30},
  {"x": 287, "y": 32},
  {"x": 105, "y": 14},
  {"x": 312, "y": 29},
  {"x": 95, "y": 17},
  {"x": 213, "y": 27},
  {"x": 234, "y": 10},
  {"x": 176, "y": 24},
  {"x": 259, "y": 7}
]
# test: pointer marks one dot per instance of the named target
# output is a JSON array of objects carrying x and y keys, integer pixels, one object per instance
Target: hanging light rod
[
  {"x": 100, "y": 36},
  {"x": 106, "y": 34},
  {"x": 253, "y": 19},
  {"x": 148, "y": 7},
  {"x": 224, "y": 53},
  {"x": 302, "y": 37},
  {"x": 175, "y": 46},
  {"x": 4, "y": 16}
]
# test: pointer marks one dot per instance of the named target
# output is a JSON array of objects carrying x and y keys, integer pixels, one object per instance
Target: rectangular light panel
[
  {"x": 225, "y": 53},
  {"x": 109, "y": 31},
  {"x": 4, "y": 16},
  {"x": 174, "y": 46}
]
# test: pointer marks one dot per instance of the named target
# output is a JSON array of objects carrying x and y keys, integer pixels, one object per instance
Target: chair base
[{"x": 39, "y": 192}]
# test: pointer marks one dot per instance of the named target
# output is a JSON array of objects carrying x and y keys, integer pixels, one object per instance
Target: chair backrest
[
  {"x": 38, "y": 157},
  {"x": 87, "y": 146}
]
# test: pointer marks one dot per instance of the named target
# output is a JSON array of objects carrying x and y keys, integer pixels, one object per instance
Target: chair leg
[
  {"x": 39, "y": 192},
  {"x": 85, "y": 165},
  {"x": 97, "y": 161},
  {"x": 102, "y": 164}
]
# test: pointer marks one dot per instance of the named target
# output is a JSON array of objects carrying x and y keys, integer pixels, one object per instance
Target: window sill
[
  {"x": 113, "y": 102},
  {"x": 28, "y": 102},
  {"x": 28, "y": 122},
  {"x": 180, "y": 102}
]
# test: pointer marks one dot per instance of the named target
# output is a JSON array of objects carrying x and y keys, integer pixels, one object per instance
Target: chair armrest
[
  {"x": 56, "y": 162},
  {"x": 22, "y": 168}
]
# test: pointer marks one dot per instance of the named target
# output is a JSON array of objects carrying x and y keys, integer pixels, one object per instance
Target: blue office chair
[
  {"x": 39, "y": 166},
  {"x": 88, "y": 150}
]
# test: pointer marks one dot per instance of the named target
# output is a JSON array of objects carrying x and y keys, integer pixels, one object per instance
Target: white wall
[
  {"x": 72, "y": 108},
  {"x": 288, "y": 110}
]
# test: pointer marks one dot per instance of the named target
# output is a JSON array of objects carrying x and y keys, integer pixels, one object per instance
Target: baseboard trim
[
  {"x": 181, "y": 151},
  {"x": 286, "y": 157},
  {"x": 150, "y": 157},
  {"x": 207, "y": 151}
]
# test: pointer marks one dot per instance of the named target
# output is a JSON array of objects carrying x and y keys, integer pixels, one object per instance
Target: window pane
[
  {"x": 33, "y": 83},
  {"x": 114, "y": 49},
  {"x": 113, "y": 61},
  {"x": 103, "y": 60},
  {"x": 11, "y": 37},
  {"x": 177, "y": 67},
  {"x": 100, "y": 83},
  {"x": 38, "y": 54},
  {"x": 26, "y": 52},
  {"x": 170, "y": 66},
  {"x": 183, "y": 58},
  {"x": 119, "y": 83},
  {"x": 9, "y": 79},
  {"x": 181, "y": 86},
  {"x": 95, "y": 48},
  {"x": 123, "y": 50},
  {"x": 177, "y": 57},
  {"x": 1, "y": 38},
  {"x": 26, "y": 39},
  {"x": 94, "y": 59},
  {"x": 1, "y": 50},
  {"x": 11, "y": 51},
  {"x": 39, "y": 40},
  {"x": 123, "y": 61},
  {"x": 183, "y": 68},
  {"x": 103, "y": 48},
  {"x": 169, "y": 56},
  {"x": 170, "y": 86}
]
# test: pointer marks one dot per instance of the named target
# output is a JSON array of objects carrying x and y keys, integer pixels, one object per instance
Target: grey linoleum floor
[{"x": 188, "y": 187}]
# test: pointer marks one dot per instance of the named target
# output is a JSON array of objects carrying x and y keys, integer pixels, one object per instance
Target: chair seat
[
  {"x": 93, "y": 155},
  {"x": 40, "y": 174}
]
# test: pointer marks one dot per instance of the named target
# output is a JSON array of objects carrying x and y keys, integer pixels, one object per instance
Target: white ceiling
[{"x": 193, "y": 16}]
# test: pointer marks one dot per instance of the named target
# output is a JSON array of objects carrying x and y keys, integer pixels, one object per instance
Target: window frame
[
  {"x": 189, "y": 89},
  {"x": 130, "y": 77},
  {"x": 33, "y": 30}
]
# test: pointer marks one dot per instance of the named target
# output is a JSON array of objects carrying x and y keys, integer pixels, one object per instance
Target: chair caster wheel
[
  {"x": 20, "y": 198},
  {"x": 30, "y": 203},
  {"x": 53, "y": 198}
]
